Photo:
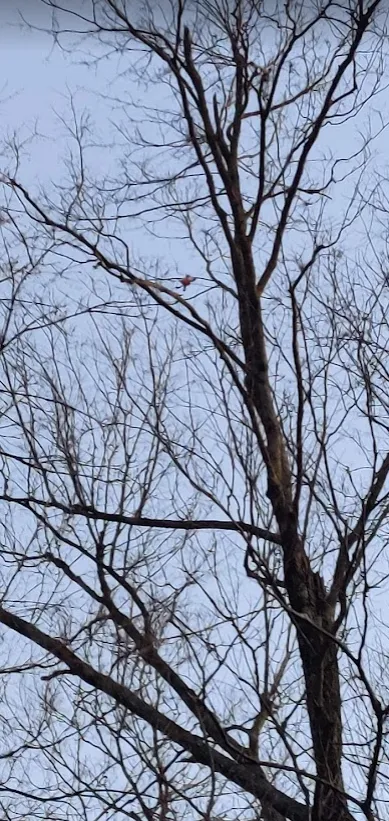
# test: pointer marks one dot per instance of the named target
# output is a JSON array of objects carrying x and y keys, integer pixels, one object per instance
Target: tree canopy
[{"x": 194, "y": 422}]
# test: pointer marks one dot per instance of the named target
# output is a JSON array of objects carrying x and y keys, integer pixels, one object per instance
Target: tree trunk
[{"x": 319, "y": 657}]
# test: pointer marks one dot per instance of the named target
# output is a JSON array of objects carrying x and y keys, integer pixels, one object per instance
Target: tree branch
[
  {"x": 245, "y": 528},
  {"x": 249, "y": 777}
]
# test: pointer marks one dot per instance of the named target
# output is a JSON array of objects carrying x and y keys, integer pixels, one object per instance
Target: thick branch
[
  {"x": 245, "y": 528},
  {"x": 249, "y": 777}
]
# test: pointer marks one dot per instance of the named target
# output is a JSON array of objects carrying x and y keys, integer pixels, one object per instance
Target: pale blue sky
[{"x": 34, "y": 78}]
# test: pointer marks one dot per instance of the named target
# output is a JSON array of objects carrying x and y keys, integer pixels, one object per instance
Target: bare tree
[{"x": 194, "y": 443}]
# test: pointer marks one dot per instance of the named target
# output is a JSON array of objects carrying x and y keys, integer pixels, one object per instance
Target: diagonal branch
[
  {"x": 361, "y": 28},
  {"x": 346, "y": 566},
  {"x": 248, "y": 776}
]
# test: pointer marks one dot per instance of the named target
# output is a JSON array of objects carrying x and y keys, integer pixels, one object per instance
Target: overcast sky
[{"x": 35, "y": 79}]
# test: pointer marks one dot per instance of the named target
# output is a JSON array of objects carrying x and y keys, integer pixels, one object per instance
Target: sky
[
  {"x": 35, "y": 80},
  {"x": 30, "y": 85}
]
